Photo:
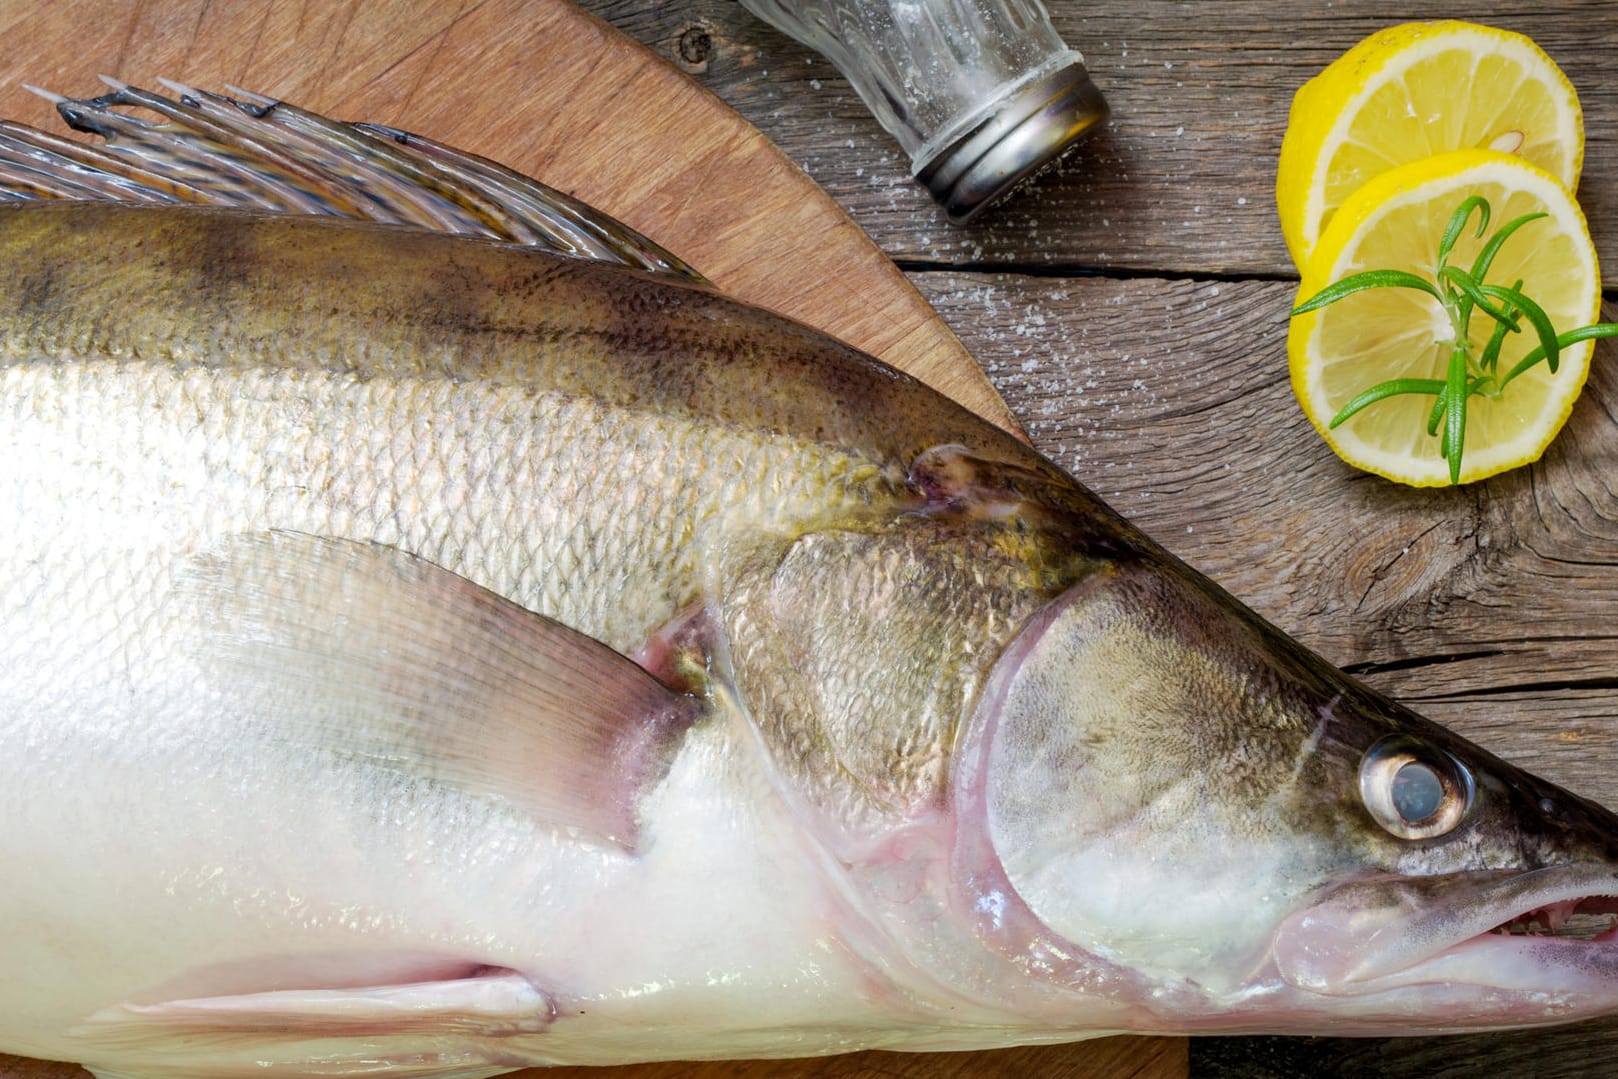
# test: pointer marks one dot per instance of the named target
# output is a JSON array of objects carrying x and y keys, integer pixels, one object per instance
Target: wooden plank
[
  {"x": 1581, "y": 1051},
  {"x": 548, "y": 90},
  {"x": 1181, "y": 179}
]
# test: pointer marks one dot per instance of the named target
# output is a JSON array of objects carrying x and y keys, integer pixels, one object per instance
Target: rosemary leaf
[
  {"x": 1383, "y": 390},
  {"x": 1491, "y": 351},
  {"x": 1457, "y": 223},
  {"x": 1535, "y": 315},
  {"x": 1572, "y": 337},
  {"x": 1480, "y": 267},
  {"x": 1473, "y": 291},
  {"x": 1368, "y": 280},
  {"x": 1455, "y": 422},
  {"x": 1436, "y": 416}
]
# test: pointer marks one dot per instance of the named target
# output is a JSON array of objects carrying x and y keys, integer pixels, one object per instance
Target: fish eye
[
  {"x": 1417, "y": 792},
  {"x": 1412, "y": 789}
]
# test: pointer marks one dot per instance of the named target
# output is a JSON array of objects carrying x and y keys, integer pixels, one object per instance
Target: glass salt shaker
[{"x": 979, "y": 93}]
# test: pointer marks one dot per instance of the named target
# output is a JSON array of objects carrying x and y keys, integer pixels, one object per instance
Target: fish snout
[{"x": 1499, "y": 943}]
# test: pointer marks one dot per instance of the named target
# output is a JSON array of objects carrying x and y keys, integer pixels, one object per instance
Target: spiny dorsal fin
[{"x": 254, "y": 152}]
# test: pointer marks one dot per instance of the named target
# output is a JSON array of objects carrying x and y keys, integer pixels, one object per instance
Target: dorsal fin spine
[{"x": 259, "y": 153}]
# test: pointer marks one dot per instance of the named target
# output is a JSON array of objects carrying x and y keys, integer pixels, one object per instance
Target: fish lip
[{"x": 1383, "y": 933}]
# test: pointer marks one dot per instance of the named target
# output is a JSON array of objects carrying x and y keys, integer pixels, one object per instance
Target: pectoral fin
[
  {"x": 453, "y": 1029},
  {"x": 369, "y": 653}
]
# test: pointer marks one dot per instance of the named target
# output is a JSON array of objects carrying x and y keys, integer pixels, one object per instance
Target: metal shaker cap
[{"x": 1030, "y": 129}]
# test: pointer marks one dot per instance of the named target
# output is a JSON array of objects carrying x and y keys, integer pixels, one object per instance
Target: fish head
[{"x": 1161, "y": 792}]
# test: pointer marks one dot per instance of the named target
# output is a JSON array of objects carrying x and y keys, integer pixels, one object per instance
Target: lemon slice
[
  {"x": 1410, "y": 92},
  {"x": 1397, "y": 221}
]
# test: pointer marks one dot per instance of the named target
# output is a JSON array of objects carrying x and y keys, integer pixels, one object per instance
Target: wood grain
[
  {"x": 1583, "y": 1051},
  {"x": 1182, "y": 178}
]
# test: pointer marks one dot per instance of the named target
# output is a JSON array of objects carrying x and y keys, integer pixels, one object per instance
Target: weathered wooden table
[{"x": 1131, "y": 310}]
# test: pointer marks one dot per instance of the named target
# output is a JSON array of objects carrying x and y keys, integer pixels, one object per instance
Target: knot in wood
[{"x": 695, "y": 46}]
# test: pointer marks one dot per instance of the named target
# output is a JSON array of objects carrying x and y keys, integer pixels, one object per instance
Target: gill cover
[{"x": 1132, "y": 772}]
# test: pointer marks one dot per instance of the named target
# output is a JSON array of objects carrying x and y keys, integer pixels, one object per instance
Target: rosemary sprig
[{"x": 1470, "y": 371}]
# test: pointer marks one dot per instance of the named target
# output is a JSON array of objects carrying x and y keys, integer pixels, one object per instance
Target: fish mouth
[{"x": 1534, "y": 946}]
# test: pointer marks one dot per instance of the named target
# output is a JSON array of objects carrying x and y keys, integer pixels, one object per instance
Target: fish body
[
  {"x": 506, "y": 417},
  {"x": 433, "y": 656}
]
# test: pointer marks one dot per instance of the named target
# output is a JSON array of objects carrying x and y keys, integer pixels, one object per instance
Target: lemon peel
[{"x": 1412, "y": 91}]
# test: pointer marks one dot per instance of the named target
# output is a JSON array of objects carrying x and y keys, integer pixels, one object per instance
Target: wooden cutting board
[{"x": 559, "y": 95}]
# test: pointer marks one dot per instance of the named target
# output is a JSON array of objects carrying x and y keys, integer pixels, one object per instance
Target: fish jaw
[{"x": 1369, "y": 948}]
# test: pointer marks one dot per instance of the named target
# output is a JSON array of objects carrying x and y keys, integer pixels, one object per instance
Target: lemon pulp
[{"x": 1396, "y": 222}]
